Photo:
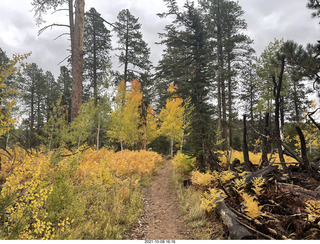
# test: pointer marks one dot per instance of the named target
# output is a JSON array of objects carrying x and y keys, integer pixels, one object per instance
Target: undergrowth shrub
[
  {"x": 203, "y": 228},
  {"x": 74, "y": 195},
  {"x": 201, "y": 179},
  {"x": 183, "y": 163}
]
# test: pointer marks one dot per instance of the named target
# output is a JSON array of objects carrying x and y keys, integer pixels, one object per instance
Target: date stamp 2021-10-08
[{"x": 160, "y": 241}]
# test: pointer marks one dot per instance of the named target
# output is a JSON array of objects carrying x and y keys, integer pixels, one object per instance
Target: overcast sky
[{"x": 267, "y": 19}]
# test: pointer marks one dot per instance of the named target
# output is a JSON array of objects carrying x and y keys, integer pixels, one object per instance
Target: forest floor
[{"x": 161, "y": 218}]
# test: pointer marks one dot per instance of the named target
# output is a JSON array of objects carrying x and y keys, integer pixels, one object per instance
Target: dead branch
[
  {"x": 59, "y": 10},
  {"x": 64, "y": 60},
  {"x": 290, "y": 152},
  {"x": 63, "y": 34},
  {"x": 50, "y": 26},
  {"x": 313, "y": 121},
  {"x": 261, "y": 172},
  {"x": 255, "y": 230}
]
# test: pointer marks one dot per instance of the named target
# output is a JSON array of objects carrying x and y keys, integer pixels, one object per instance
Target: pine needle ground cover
[{"x": 87, "y": 194}]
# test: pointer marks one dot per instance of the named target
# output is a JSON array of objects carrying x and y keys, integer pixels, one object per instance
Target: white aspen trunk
[{"x": 182, "y": 138}]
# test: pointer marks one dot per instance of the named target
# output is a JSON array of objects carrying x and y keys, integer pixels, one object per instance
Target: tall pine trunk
[{"x": 76, "y": 29}]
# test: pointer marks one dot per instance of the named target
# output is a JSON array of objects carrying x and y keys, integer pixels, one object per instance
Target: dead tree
[
  {"x": 305, "y": 162},
  {"x": 277, "y": 91},
  {"x": 265, "y": 141},
  {"x": 249, "y": 166}
]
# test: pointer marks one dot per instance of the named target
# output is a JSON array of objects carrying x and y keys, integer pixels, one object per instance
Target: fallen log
[
  {"x": 261, "y": 172},
  {"x": 303, "y": 193},
  {"x": 229, "y": 219}
]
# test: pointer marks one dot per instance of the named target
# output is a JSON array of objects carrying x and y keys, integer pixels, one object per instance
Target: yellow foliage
[
  {"x": 251, "y": 204},
  {"x": 151, "y": 130},
  {"x": 183, "y": 163},
  {"x": 239, "y": 184},
  {"x": 32, "y": 184},
  {"x": 7, "y": 101},
  {"x": 210, "y": 199},
  {"x": 201, "y": 179},
  {"x": 257, "y": 184},
  {"x": 254, "y": 157},
  {"x": 226, "y": 176},
  {"x": 172, "y": 116},
  {"x": 127, "y": 162},
  {"x": 313, "y": 210},
  {"x": 28, "y": 183}
]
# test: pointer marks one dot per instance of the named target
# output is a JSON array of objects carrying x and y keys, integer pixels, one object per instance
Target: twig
[
  {"x": 260, "y": 134},
  {"x": 224, "y": 189},
  {"x": 254, "y": 230},
  {"x": 64, "y": 60}
]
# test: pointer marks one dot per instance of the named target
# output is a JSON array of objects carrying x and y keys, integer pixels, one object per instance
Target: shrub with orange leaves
[{"x": 127, "y": 162}]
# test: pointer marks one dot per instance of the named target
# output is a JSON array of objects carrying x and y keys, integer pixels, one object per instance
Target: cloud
[{"x": 288, "y": 19}]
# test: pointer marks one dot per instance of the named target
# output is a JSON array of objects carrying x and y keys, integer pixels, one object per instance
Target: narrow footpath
[{"x": 161, "y": 218}]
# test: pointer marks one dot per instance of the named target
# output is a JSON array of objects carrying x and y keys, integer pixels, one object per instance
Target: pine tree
[
  {"x": 185, "y": 62},
  {"x": 134, "y": 52},
  {"x": 314, "y": 5},
  {"x": 297, "y": 58},
  {"x": 230, "y": 48},
  {"x": 52, "y": 93},
  {"x": 33, "y": 94},
  {"x": 97, "y": 46},
  {"x": 65, "y": 83}
]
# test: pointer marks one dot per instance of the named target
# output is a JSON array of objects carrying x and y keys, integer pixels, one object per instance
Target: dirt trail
[{"x": 161, "y": 218}]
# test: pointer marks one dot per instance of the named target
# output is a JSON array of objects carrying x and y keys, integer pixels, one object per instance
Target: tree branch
[
  {"x": 50, "y": 26},
  {"x": 63, "y": 34},
  {"x": 58, "y": 10},
  {"x": 64, "y": 60}
]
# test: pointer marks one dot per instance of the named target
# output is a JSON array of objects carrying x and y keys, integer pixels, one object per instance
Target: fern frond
[
  {"x": 201, "y": 179},
  {"x": 239, "y": 184},
  {"x": 226, "y": 176},
  {"x": 252, "y": 207},
  {"x": 209, "y": 199},
  {"x": 257, "y": 183}
]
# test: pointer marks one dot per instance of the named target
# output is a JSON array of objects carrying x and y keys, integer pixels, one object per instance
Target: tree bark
[
  {"x": 265, "y": 144},
  {"x": 305, "y": 162},
  {"x": 230, "y": 118},
  {"x": 77, "y": 58},
  {"x": 143, "y": 126},
  {"x": 230, "y": 219},
  {"x": 249, "y": 166},
  {"x": 277, "y": 111}
]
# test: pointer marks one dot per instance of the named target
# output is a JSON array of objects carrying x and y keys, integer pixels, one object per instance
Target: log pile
[{"x": 283, "y": 214}]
